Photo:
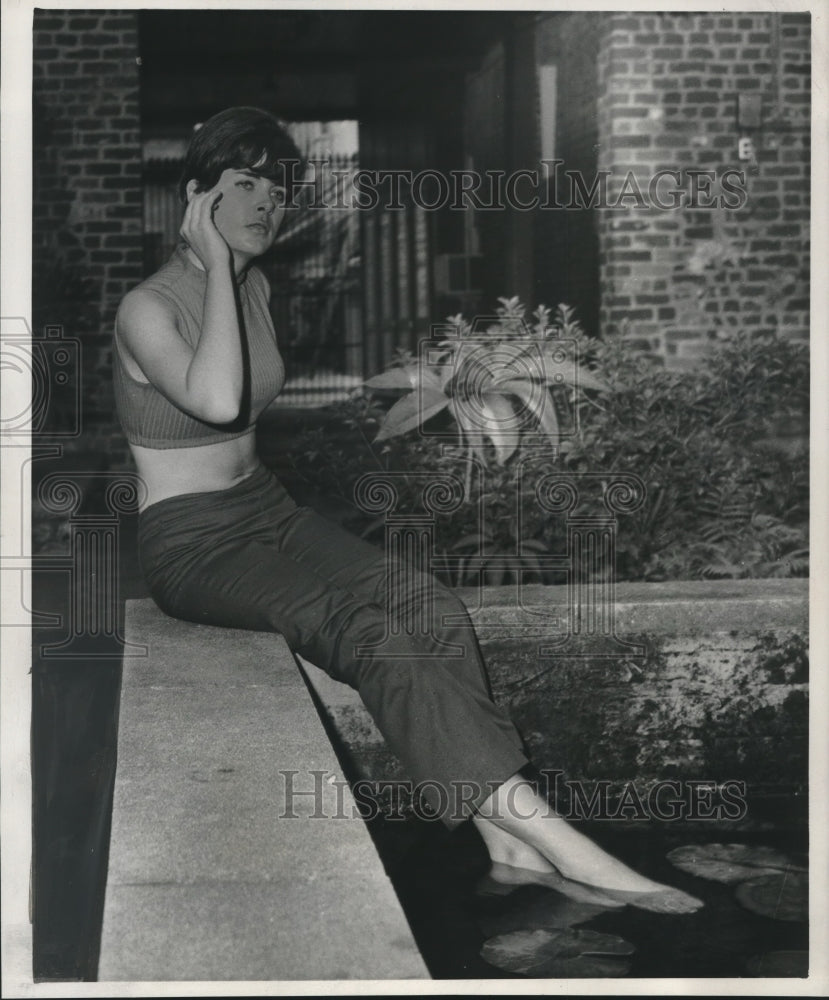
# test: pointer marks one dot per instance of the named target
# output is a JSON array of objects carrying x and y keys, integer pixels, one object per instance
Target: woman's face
[{"x": 250, "y": 212}]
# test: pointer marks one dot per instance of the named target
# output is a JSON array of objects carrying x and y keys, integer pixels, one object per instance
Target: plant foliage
[{"x": 721, "y": 449}]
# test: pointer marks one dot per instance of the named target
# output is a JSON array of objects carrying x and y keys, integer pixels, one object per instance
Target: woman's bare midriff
[{"x": 171, "y": 472}]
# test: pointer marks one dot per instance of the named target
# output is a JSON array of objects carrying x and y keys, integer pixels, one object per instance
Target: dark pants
[{"x": 249, "y": 557}]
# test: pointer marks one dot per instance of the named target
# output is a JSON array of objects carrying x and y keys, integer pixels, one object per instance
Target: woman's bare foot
[
  {"x": 506, "y": 849},
  {"x": 515, "y": 863},
  {"x": 556, "y": 847},
  {"x": 503, "y": 879},
  {"x": 663, "y": 899},
  {"x": 586, "y": 863}
]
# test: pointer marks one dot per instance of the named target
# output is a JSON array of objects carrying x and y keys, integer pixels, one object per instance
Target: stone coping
[
  {"x": 206, "y": 882},
  {"x": 210, "y": 877},
  {"x": 703, "y": 680},
  {"x": 669, "y": 608}
]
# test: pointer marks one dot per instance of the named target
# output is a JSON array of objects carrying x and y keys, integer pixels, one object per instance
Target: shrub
[
  {"x": 727, "y": 481},
  {"x": 721, "y": 451}
]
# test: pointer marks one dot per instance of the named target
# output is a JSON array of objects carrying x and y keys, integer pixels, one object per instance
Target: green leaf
[
  {"x": 475, "y": 365},
  {"x": 566, "y": 373},
  {"x": 587, "y": 380},
  {"x": 394, "y": 378},
  {"x": 730, "y": 862},
  {"x": 411, "y": 411},
  {"x": 443, "y": 374},
  {"x": 540, "y": 402},
  {"x": 407, "y": 377},
  {"x": 548, "y": 912},
  {"x": 493, "y": 416},
  {"x": 518, "y": 359},
  {"x": 548, "y": 362},
  {"x": 779, "y": 896},
  {"x": 470, "y": 430},
  {"x": 558, "y": 953}
]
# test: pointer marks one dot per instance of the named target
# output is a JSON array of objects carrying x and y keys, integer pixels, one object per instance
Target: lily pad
[
  {"x": 730, "y": 863},
  {"x": 780, "y": 964},
  {"x": 783, "y": 896},
  {"x": 547, "y": 911},
  {"x": 558, "y": 954}
]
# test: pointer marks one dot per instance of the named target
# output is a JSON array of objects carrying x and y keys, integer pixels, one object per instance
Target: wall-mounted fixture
[
  {"x": 749, "y": 111},
  {"x": 749, "y": 117}
]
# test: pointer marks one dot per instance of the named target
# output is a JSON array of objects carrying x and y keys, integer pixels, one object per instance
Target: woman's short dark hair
[{"x": 236, "y": 139}]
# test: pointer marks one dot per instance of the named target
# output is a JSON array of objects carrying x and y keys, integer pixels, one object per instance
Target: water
[{"x": 435, "y": 874}]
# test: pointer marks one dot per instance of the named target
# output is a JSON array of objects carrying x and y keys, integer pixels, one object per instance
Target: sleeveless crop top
[{"x": 147, "y": 417}]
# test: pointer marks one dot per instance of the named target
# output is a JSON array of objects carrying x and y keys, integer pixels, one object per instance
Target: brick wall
[
  {"x": 87, "y": 193},
  {"x": 668, "y": 88}
]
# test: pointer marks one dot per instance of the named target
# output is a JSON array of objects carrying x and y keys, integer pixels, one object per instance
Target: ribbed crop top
[{"x": 147, "y": 417}]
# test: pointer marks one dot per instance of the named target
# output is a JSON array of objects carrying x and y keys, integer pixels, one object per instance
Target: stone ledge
[
  {"x": 689, "y": 607},
  {"x": 721, "y": 692},
  {"x": 208, "y": 878}
]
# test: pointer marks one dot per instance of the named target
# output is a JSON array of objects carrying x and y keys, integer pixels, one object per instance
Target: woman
[{"x": 221, "y": 542}]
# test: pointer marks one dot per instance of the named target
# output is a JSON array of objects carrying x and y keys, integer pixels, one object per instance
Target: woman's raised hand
[{"x": 199, "y": 230}]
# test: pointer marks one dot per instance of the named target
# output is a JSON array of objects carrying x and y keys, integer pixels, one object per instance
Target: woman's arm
[{"x": 206, "y": 382}]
